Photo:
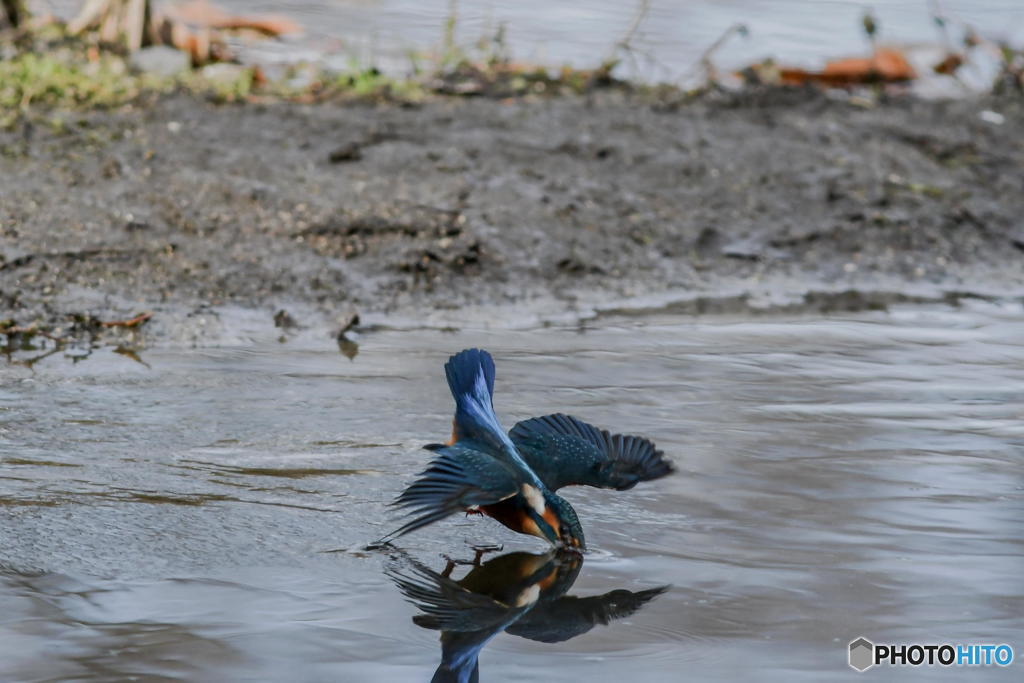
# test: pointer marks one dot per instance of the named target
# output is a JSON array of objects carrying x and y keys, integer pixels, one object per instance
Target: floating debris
[
  {"x": 11, "y": 330},
  {"x": 349, "y": 323},
  {"x": 132, "y": 354},
  {"x": 284, "y": 320},
  {"x": 346, "y": 343}
]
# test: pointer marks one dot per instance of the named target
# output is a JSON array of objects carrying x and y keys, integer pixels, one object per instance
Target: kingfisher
[
  {"x": 512, "y": 477},
  {"x": 522, "y": 594}
]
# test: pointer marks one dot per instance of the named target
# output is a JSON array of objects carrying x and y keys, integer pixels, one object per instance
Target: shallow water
[
  {"x": 200, "y": 518},
  {"x": 667, "y": 45}
]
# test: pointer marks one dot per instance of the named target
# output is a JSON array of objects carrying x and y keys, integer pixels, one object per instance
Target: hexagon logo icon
[{"x": 862, "y": 654}]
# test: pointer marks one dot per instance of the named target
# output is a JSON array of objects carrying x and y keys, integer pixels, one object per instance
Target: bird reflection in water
[{"x": 523, "y": 594}]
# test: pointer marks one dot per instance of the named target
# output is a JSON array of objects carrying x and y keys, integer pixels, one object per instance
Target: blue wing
[
  {"x": 564, "y": 451},
  {"x": 458, "y": 478}
]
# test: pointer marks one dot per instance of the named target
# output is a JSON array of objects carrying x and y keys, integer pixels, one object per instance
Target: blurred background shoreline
[
  {"x": 671, "y": 37},
  {"x": 652, "y": 41},
  {"x": 509, "y": 158}
]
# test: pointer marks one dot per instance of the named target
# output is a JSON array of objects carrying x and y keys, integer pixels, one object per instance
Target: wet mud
[{"x": 786, "y": 199}]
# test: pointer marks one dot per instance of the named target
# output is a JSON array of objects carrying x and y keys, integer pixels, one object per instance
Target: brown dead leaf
[
  {"x": 949, "y": 64},
  {"x": 886, "y": 65}
]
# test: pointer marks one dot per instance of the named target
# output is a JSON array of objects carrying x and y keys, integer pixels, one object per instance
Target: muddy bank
[{"x": 187, "y": 206}]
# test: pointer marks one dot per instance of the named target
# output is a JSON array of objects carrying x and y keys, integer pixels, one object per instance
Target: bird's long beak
[{"x": 545, "y": 528}]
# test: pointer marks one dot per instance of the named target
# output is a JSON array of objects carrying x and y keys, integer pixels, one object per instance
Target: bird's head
[
  {"x": 559, "y": 523},
  {"x": 550, "y": 517},
  {"x": 570, "y": 531}
]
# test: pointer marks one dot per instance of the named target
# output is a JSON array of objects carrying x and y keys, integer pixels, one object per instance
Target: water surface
[{"x": 200, "y": 517}]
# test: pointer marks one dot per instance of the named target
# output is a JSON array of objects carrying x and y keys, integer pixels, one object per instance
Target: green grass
[
  {"x": 57, "y": 73},
  {"x": 54, "y": 81},
  {"x": 66, "y": 80},
  {"x": 360, "y": 81}
]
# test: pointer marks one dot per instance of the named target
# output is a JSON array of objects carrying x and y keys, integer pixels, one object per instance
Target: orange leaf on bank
[{"x": 886, "y": 65}]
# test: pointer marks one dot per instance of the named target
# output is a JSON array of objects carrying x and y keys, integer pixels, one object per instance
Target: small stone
[
  {"x": 347, "y": 152},
  {"x": 993, "y": 117},
  {"x": 160, "y": 60},
  {"x": 225, "y": 72},
  {"x": 752, "y": 249}
]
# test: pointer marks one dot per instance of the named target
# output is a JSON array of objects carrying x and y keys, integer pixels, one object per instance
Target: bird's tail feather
[
  {"x": 466, "y": 369},
  {"x": 470, "y": 376}
]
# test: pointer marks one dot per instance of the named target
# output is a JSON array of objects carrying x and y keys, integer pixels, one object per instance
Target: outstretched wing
[
  {"x": 458, "y": 478},
  {"x": 564, "y": 451},
  {"x": 569, "y": 616}
]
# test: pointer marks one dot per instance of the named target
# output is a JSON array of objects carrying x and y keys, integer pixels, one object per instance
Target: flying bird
[{"x": 513, "y": 477}]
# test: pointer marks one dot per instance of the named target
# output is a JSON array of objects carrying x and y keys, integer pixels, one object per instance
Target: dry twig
[{"x": 132, "y": 322}]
